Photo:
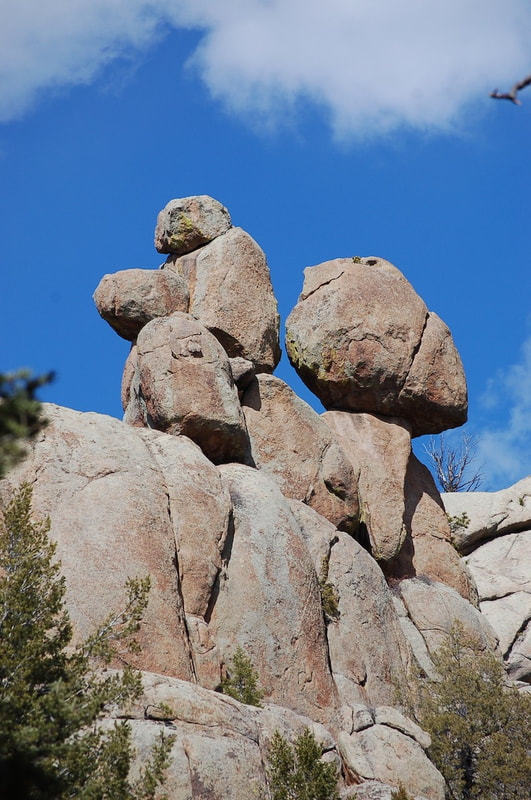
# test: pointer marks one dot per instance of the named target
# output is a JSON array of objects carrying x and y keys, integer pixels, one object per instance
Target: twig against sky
[{"x": 512, "y": 95}]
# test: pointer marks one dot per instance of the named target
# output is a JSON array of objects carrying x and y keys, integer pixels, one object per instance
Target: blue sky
[{"x": 359, "y": 128}]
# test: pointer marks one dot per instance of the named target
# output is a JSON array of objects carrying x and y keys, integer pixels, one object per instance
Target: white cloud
[
  {"x": 372, "y": 65},
  {"x": 505, "y": 450}
]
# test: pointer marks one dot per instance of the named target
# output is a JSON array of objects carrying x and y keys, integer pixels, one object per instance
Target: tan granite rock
[
  {"x": 231, "y": 294},
  {"x": 186, "y": 386},
  {"x": 379, "y": 448},
  {"x": 187, "y": 223},
  {"x": 292, "y": 444},
  {"x": 363, "y": 340},
  {"x": 129, "y": 299}
]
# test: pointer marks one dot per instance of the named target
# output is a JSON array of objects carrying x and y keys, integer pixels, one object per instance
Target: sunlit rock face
[
  {"x": 363, "y": 340},
  {"x": 315, "y": 542}
]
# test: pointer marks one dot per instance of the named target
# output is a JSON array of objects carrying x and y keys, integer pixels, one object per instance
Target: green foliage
[
  {"x": 297, "y": 773},
  {"x": 20, "y": 415},
  {"x": 329, "y": 598},
  {"x": 241, "y": 681},
  {"x": 479, "y": 725},
  {"x": 356, "y": 259},
  {"x": 458, "y": 521},
  {"x": 52, "y": 695}
]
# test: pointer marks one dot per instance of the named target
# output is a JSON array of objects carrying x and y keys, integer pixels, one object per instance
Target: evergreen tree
[
  {"x": 297, "y": 773},
  {"x": 479, "y": 724},
  {"x": 20, "y": 415},
  {"x": 241, "y": 681},
  {"x": 52, "y": 695}
]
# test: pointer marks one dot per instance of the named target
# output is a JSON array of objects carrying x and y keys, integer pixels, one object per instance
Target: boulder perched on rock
[
  {"x": 187, "y": 223},
  {"x": 185, "y": 382},
  {"x": 131, "y": 298},
  {"x": 290, "y": 442},
  {"x": 231, "y": 294},
  {"x": 243, "y": 506},
  {"x": 363, "y": 340}
]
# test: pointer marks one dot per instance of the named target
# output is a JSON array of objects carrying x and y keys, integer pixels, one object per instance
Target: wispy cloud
[
  {"x": 505, "y": 450},
  {"x": 371, "y": 66}
]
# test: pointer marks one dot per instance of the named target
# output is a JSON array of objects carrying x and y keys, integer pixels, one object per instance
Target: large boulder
[
  {"x": 434, "y": 608},
  {"x": 379, "y": 449},
  {"x": 131, "y": 298},
  {"x": 185, "y": 387},
  {"x": 187, "y": 223},
  {"x": 384, "y": 754},
  {"x": 363, "y": 340},
  {"x": 231, "y": 294},
  {"x": 292, "y": 444}
]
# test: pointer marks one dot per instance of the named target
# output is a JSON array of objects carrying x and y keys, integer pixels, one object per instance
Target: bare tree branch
[
  {"x": 512, "y": 95},
  {"x": 452, "y": 464}
]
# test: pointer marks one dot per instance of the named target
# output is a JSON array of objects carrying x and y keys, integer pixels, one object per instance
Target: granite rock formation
[{"x": 317, "y": 543}]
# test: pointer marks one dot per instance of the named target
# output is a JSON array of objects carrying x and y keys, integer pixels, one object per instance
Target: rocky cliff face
[{"x": 238, "y": 498}]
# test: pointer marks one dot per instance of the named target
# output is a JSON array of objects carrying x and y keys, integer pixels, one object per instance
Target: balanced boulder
[
  {"x": 187, "y": 223},
  {"x": 363, "y": 340}
]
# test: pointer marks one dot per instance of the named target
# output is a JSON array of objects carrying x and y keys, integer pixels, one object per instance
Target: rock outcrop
[
  {"x": 316, "y": 543},
  {"x": 494, "y": 529},
  {"x": 363, "y": 340}
]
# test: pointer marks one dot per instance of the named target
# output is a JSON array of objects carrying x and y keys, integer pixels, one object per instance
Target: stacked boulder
[
  {"x": 243, "y": 504},
  {"x": 190, "y": 337}
]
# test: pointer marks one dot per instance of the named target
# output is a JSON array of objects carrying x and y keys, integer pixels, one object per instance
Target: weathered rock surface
[
  {"x": 386, "y": 755},
  {"x": 291, "y": 443},
  {"x": 274, "y": 613},
  {"x": 231, "y": 294},
  {"x": 490, "y": 514},
  {"x": 221, "y": 746},
  {"x": 502, "y": 570},
  {"x": 129, "y": 299},
  {"x": 434, "y": 608},
  {"x": 379, "y": 448},
  {"x": 368, "y": 651},
  {"x": 428, "y": 550},
  {"x": 356, "y": 338},
  {"x": 249, "y": 554},
  {"x": 187, "y": 223},
  {"x": 185, "y": 382},
  {"x": 435, "y": 391},
  {"x": 105, "y": 494}
]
